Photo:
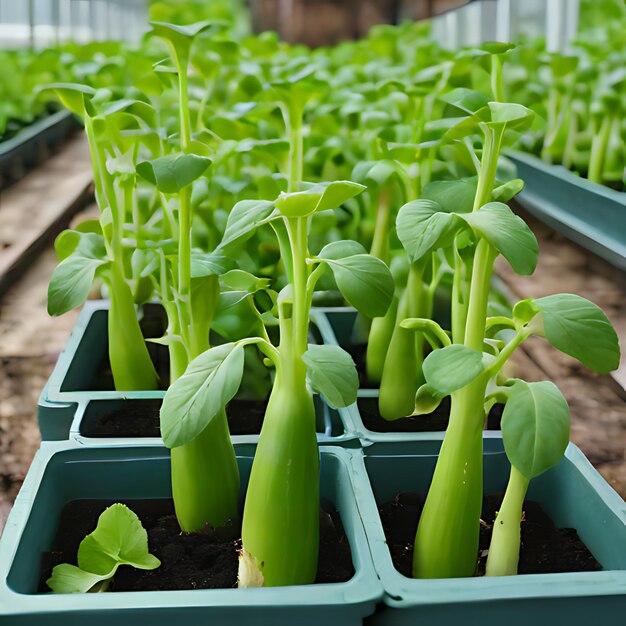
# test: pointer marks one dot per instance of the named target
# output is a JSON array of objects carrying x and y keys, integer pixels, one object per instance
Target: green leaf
[
  {"x": 423, "y": 227},
  {"x": 73, "y": 277},
  {"x": 181, "y": 37},
  {"x": 238, "y": 280},
  {"x": 319, "y": 197},
  {"x": 508, "y": 191},
  {"x": 246, "y": 216},
  {"x": 467, "y": 100},
  {"x": 336, "y": 193},
  {"x": 451, "y": 368},
  {"x": 173, "y": 172},
  {"x": 297, "y": 204},
  {"x": 331, "y": 372},
  {"x": 119, "y": 539},
  {"x": 514, "y": 116},
  {"x": 508, "y": 234},
  {"x": 365, "y": 282},
  {"x": 452, "y": 195},
  {"x": 535, "y": 427},
  {"x": 427, "y": 400},
  {"x": 72, "y": 95},
  {"x": 209, "y": 264},
  {"x": 341, "y": 249},
  {"x": 206, "y": 387},
  {"x": 579, "y": 328},
  {"x": 68, "y": 578}
]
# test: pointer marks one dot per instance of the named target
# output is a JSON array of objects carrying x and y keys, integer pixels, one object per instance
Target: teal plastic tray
[
  {"x": 66, "y": 471},
  {"x": 590, "y": 214},
  {"x": 572, "y": 493},
  {"x": 67, "y": 398}
]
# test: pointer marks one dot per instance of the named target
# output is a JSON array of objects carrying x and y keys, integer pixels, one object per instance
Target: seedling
[{"x": 119, "y": 539}]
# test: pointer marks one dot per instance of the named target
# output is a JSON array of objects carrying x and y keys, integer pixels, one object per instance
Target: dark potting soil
[
  {"x": 203, "y": 560},
  {"x": 437, "y": 420},
  {"x": 357, "y": 352},
  {"x": 545, "y": 549},
  {"x": 140, "y": 418}
]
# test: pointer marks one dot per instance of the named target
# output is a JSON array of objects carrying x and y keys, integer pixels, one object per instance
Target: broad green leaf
[
  {"x": 68, "y": 578},
  {"x": 238, "y": 280},
  {"x": 72, "y": 95},
  {"x": 376, "y": 172},
  {"x": 206, "y": 387},
  {"x": 508, "y": 234},
  {"x": 244, "y": 218},
  {"x": 451, "y": 368},
  {"x": 514, "y": 116},
  {"x": 73, "y": 277},
  {"x": 178, "y": 36},
  {"x": 578, "y": 327},
  {"x": 341, "y": 249},
  {"x": 331, "y": 372},
  {"x": 334, "y": 194},
  {"x": 119, "y": 539},
  {"x": 535, "y": 427},
  {"x": 453, "y": 196},
  {"x": 467, "y": 100},
  {"x": 423, "y": 227},
  {"x": 173, "y": 172},
  {"x": 209, "y": 264},
  {"x": 365, "y": 282}
]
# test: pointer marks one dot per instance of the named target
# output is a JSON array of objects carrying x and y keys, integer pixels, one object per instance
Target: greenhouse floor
[{"x": 30, "y": 342}]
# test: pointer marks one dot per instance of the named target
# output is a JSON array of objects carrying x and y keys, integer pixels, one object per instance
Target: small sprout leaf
[{"x": 119, "y": 539}]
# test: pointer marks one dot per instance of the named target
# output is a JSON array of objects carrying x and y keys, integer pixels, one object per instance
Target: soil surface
[
  {"x": 437, "y": 420},
  {"x": 140, "y": 418},
  {"x": 545, "y": 549},
  {"x": 203, "y": 560}
]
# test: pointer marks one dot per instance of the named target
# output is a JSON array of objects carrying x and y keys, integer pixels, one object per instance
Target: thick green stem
[
  {"x": 446, "y": 542},
  {"x": 402, "y": 373},
  {"x": 598, "y": 150},
  {"x": 497, "y": 85},
  {"x": 505, "y": 540},
  {"x": 130, "y": 360},
  {"x": 280, "y": 530},
  {"x": 570, "y": 143},
  {"x": 380, "y": 335},
  {"x": 380, "y": 242}
]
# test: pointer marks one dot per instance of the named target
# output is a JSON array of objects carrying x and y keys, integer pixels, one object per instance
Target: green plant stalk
[
  {"x": 380, "y": 336},
  {"x": 380, "y": 242},
  {"x": 497, "y": 84},
  {"x": 204, "y": 472},
  {"x": 446, "y": 542},
  {"x": 402, "y": 373},
  {"x": 503, "y": 554},
  {"x": 599, "y": 146},
  {"x": 570, "y": 143},
  {"x": 130, "y": 360},
  {"x": 280, "y": 532}
]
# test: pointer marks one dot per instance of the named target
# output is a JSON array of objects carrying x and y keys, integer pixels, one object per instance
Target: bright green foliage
[{"x": 119, "y": 539}]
